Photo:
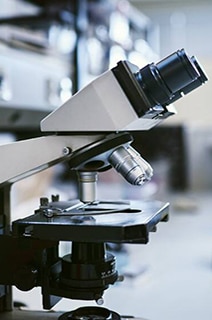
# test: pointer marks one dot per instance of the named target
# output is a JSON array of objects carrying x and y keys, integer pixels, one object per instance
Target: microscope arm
[
  {"x": 23, "y": 158},
  {"x": 124, "y": 98}
]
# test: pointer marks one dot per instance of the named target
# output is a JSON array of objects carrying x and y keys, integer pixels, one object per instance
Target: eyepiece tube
[
  {"x": 166, "y": 81},
  {"x": 177, "y": 70},
  {"x": 151, "y": 89}
]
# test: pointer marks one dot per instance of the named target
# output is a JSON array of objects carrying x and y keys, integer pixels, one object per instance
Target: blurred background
[{"x": 49, "y": 49}]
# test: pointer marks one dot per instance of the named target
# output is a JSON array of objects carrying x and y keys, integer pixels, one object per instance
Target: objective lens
[
  {"x": 87, "y": 186},
  {"x": 130, "y": 165},
  {"x": 142, "y": 163}
]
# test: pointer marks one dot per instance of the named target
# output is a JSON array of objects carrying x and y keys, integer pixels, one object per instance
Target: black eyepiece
[
  {"x": 151, "y": 89},
  {"x": 163, "y": 82}
]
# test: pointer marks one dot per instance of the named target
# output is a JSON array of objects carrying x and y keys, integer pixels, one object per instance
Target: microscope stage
[{"x": 106, "y": 221}]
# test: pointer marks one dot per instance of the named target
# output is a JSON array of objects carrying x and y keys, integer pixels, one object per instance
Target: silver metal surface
[
  {"x": 144, "y": 165},
  {"x": 100, "y": 106},
  {"x": 87, "y": 186},
  {"x": 131, "y": 166}
]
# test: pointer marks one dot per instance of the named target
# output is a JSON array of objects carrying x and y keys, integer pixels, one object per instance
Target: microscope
[{"x": 92, "y": 133}]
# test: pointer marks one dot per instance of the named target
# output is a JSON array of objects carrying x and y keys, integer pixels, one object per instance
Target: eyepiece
[
  {"x": 164, "y": 81},
  {"x": 177, "y": 70},
  {"x": 151, "y": 89}
]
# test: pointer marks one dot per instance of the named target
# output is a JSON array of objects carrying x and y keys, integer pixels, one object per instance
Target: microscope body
[{"x": 91, "y": 133}]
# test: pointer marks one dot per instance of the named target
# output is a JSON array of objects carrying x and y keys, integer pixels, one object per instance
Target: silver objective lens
[
  {"x": 87, "y": 186},
  {"x": 131, "y": 165},
  {"x": 143, "y": 163}
]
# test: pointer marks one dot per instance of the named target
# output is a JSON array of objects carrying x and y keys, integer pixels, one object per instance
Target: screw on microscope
[
  {"x": 120, "y": 278},
  {"x": 44, "y": 207},
  {"x": 49, "y": 213},
  {"x": 66, "y": 151},
  {"x": 99, "y": 301}
]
